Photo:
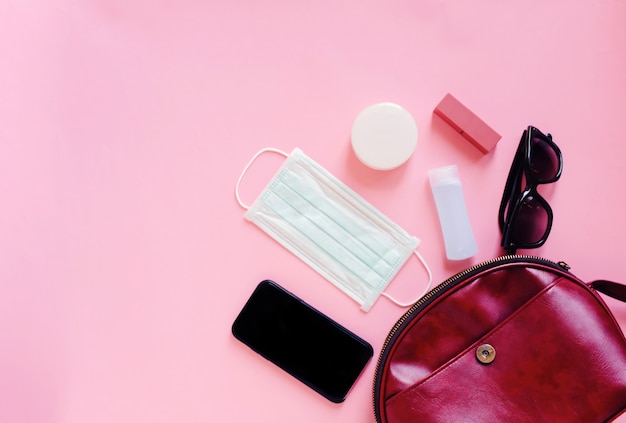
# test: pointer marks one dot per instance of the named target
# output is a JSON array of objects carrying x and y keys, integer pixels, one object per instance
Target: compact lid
[{"x": 384, "y": 136}]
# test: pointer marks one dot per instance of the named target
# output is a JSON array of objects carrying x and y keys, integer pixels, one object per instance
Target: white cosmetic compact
[{"x": 384, "y": 136}]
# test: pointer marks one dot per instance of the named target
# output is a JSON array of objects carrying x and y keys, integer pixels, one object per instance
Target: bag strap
[{"x": 612, "y": 289}]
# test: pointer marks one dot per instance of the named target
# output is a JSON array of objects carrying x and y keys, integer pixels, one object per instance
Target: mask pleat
[{"x": 307, "y": 224}]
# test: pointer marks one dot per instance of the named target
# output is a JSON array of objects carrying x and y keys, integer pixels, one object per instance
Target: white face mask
[{"x": 331, "y": 228}]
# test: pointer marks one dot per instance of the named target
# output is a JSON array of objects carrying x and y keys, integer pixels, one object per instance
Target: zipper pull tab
[{"x": 564, "y": 265}]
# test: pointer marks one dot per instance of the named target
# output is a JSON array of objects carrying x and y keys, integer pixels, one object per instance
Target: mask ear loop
[
  {"x": 245, "y": 170},
  {"x": 430, "y": 281}
]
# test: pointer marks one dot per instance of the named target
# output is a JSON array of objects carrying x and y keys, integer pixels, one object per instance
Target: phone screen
[{"x": 302, "y": 341}]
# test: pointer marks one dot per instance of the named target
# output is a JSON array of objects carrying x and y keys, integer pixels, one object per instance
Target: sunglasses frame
[{"x": 513, "y": 195}]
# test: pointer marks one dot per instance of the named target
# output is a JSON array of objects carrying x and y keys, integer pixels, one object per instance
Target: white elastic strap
[
  {"x": 245, "y": 170},
  {"x": 430, "y": 281}
]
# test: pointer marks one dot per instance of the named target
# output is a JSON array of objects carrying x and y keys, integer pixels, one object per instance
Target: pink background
[{"x": 124, "y": 257}]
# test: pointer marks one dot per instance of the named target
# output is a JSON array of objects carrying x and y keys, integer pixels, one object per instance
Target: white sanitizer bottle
[{"x": 455, "y": 224}]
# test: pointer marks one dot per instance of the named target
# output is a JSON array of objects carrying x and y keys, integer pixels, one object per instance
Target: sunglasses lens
[
  {"x": 531, "y": 223},
  {"x": 544, "y": 160}
]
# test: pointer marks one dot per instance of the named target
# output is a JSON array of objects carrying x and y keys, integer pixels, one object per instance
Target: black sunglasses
[{"x": 525, "y": 217}]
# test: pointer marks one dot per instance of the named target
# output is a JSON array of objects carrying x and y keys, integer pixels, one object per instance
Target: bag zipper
[{"x": 433, "y": 293}]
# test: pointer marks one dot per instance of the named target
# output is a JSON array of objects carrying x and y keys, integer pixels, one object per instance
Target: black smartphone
[{"x": 302, "y": 341}]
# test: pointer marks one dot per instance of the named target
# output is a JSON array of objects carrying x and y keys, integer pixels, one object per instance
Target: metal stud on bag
[{"x": 486, "y": 354}]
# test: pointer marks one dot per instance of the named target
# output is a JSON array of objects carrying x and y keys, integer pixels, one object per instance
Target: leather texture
[{"x": 560, "y": 356}]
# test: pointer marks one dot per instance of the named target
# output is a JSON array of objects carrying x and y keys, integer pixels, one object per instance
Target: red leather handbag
[{"x": 516, "y": 339}]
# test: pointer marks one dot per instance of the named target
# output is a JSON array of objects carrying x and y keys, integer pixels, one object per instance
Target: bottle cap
[
  {"x": 443, "y": 175},
  {"x": 384, "y": 136}
]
